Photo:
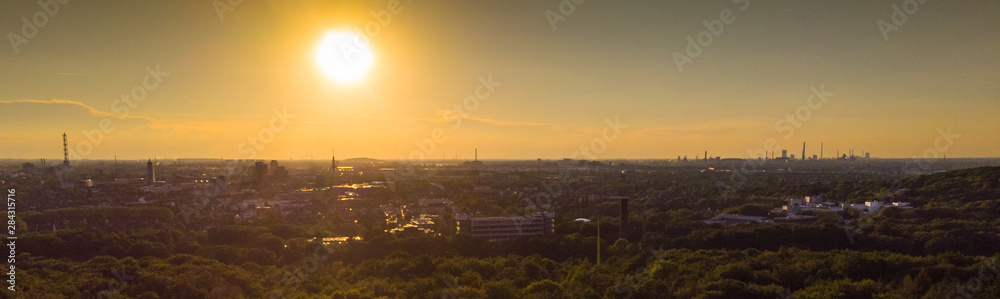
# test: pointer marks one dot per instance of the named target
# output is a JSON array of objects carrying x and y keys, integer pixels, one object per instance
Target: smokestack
[
  {"x": 150, "y": 172},
  {"x": 706, "y": 156},
  {"x": 477, "y": 155},
  {"x": 821, "y": 150},
  {"x": 624, "y": 218},
  {"x": 803, "y": 151}
]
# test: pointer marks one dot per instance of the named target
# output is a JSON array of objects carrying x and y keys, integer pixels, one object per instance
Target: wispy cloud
[
  {"x": 490, "y": 121},
  {"x": 707, "y": 127},
  {"x": 184, "y": 126},
  {"x": 89, "y": 109},
  {"x": 511, "y": 123},
  {"x": 152, "y": 123}
]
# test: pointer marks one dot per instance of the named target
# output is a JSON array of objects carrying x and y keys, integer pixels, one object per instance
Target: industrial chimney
[
  {"x": 624, "y": 218},
  {"x": 803, "y": 151}
]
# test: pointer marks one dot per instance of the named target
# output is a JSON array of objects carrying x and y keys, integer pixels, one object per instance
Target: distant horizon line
[{"x": 59, "y": 160}]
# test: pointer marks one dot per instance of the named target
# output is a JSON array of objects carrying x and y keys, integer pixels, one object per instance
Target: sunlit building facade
[{"x": 505, "y": 228}]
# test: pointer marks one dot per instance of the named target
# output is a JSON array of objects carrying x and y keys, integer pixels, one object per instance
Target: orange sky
[{"x": 212, "y": 80}]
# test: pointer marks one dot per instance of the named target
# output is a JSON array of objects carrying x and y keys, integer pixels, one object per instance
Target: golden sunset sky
[{"x": 225, "y": 68}]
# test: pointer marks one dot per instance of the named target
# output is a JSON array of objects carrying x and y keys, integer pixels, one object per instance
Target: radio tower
[
  {"x": 333, "y": 164},
  {"x": 65, "y": 151}
]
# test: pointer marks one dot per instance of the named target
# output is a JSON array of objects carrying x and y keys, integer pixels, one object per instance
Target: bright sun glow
[{"x": 344, "y": 56}]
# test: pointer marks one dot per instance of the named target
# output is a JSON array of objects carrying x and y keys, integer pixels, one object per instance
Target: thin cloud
[
  {"x": 509, "y": 123},
  {"x": 89, "y": 109},
  {"x": 442, "y": 119},
  {"x": 183, "y": 126},
  {"x": 707, "y": 127},
  {"x": 399, "y": 119},
  {"x": 152, "y": 123},
  {"x": 491, "y": 121}
]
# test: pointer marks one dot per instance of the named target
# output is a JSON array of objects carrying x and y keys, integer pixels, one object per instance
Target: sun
[{"x": 344, "y": 56}]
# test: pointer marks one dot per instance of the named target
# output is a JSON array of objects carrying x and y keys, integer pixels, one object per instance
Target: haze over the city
[{"x": 547, "y": 79}]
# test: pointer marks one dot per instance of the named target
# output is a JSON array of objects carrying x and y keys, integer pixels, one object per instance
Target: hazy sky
[{"x": 222, "y": 78}]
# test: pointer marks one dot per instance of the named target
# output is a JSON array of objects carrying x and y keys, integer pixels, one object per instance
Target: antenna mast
[{"x": 65, "y": 151}]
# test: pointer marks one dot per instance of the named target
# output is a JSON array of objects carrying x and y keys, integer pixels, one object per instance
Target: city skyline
[
  {"x": 213, "y": 79},
  {"x": 70, "y": 155},
  {"x": 500, "y": 149}
]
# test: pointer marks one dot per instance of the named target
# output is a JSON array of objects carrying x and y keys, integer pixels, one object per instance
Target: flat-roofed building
[
  {"x": 505, "y": 228},
  {"x": 729, "y": 219}
]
